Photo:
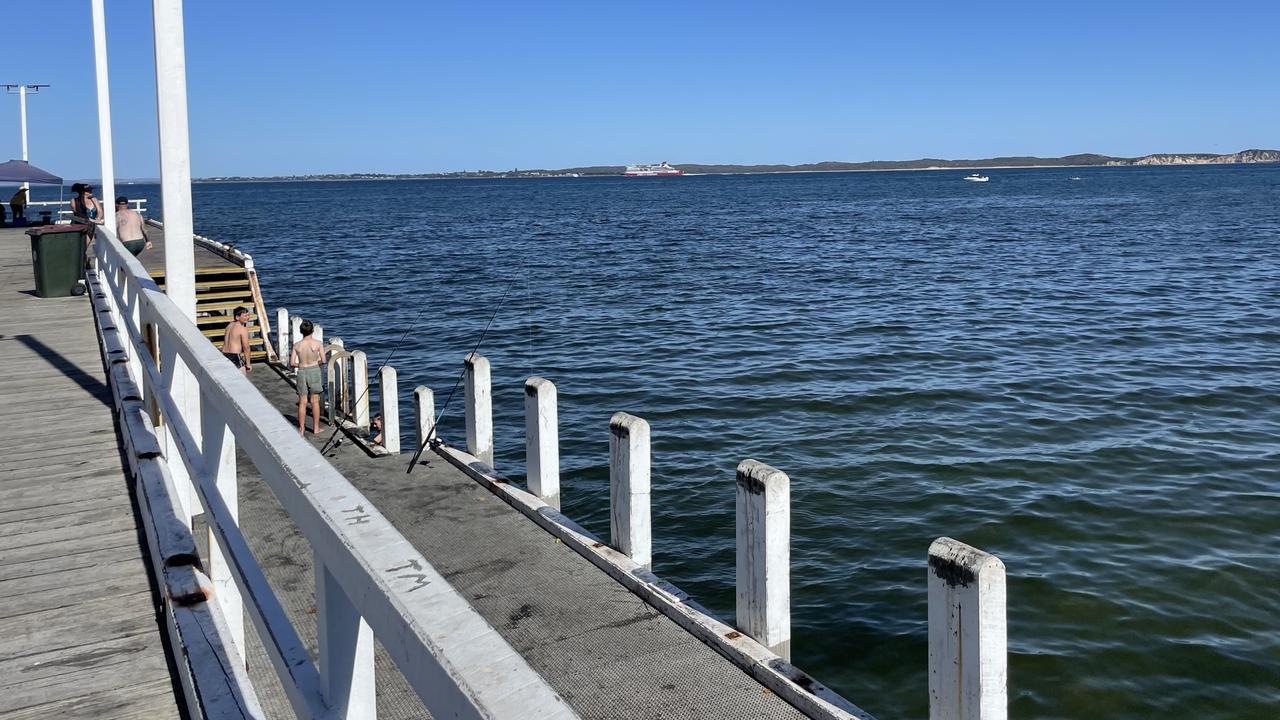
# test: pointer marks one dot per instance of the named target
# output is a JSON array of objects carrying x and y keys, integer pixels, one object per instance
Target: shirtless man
[
  {"x": 235, "y": 340},
  {"x": 307, "y": 357},
  {"x": 130, "y": 228}
]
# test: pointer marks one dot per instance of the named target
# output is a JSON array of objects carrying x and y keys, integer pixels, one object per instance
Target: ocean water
[{"x": 1079, "y": 376}]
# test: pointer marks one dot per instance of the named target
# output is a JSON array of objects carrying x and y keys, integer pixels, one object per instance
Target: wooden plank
[{"x": 149, "y": 700}]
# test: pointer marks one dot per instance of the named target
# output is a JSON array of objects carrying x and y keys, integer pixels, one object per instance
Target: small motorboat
[{"x": 977, "y": 178}]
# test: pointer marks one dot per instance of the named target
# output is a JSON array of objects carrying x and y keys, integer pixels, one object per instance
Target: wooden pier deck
[
  {"x": 79, "y": 636},
  {"x": 606, "y": 651}
]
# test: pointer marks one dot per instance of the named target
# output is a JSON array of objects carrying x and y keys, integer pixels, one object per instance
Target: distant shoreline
[{"x": 548, "y": 175}]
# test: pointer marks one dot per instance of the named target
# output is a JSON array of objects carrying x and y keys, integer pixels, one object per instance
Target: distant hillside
[{"x": 1084, "y": 159}]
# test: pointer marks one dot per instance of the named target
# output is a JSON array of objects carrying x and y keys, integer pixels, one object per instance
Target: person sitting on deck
[
  {"x": 375, "y": 430},
  {"x": 235, "y": 340},
  {"x": 307, "y": 357},
  {"x": 130, "y": 228}
]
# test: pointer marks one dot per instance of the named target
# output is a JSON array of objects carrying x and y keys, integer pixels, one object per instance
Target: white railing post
[
  {"x": 318, "y": 333},
  {"x": 968, "y": 657},
  {"x": 282, "y": 335},
  {"x": 360, "y": 387},
  {"x": 479, "y": 408},
  {"x": 542, "y": 440},
  {"x": 764, "y": 556},
  {"x": 218, "y": 456},
  {"x": 295, "y": 330},
  {"x": 346, "y": 651},
  {"x": 390, "y": 409},
  {"x": 629, "y": 523},
  {"x": 424, "y": 410}
]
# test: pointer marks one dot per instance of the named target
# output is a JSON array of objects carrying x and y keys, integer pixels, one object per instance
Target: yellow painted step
[
  {"x": 216, "y": 332},
  {"x": 245, "y": 295}
]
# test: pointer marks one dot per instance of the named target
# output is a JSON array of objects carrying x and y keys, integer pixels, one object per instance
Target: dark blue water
[{"x": 1080, "y": 376}]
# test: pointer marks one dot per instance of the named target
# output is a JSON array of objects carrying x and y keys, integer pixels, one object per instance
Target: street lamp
[{"x": 22, "y": 90}]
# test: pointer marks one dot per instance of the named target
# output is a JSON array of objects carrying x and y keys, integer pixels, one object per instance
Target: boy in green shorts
[{"x": 308, "y": 357}]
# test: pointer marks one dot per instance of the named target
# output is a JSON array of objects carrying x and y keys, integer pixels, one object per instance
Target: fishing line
[
  {"x": 431, "y": 435},
  {"x": 337, "y": 424}
]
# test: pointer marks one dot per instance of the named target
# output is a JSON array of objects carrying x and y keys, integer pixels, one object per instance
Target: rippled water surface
[{"x": 1080, "y": 376}]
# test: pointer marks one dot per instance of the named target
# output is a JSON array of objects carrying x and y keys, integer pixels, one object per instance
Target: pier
[{"x": 171, "y": 547}]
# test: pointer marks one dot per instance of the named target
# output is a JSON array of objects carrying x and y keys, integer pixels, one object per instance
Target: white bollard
[
  {"x": 295, "y": 329},
  {"x": 318, "y": 333},
  {"x": 282, "y": 335},
  {"x": 968, "y": 657},
  {"x": 390, "y": 409},
  {"x": 424, "y": 408},
  {"x": 360, "y": 387},
  {"x": 542, "y": 440},
  {"x": 346, "y": 650},
  {"x": 629, "y": 523},
  {"x": 764, "y": 556},
  {"x": 479, "y": 408}
]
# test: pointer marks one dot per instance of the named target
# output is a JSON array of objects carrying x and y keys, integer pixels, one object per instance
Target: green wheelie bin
[{"x": 57, "y": 259}]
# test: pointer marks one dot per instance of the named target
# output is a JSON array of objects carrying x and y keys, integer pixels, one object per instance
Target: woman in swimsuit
[{"x": 86, "y": 209}]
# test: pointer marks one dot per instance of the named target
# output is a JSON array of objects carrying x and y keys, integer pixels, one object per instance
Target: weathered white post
[
  {"x": 542, "y": 440},
  {"x": 218, "y": 454},
  {"x": 764, "y": 556},
  {"x": 318, "y": 333},
  {"x": 104, "y": 115},
  {"x": 629, "y": 522},
  {"x": 424, "y": 409},
  {"x": 346, "y": 650},
  {"x": 968, "y": 657},
  {"x": 175, "y": 193},
  {"x": 479, "y": 408},
  {"x": 360, "y": 387},
  {"x": 295, "y": 329},
  {"x": 390, "y": 409},
  {"x": 282, "y": 335}
]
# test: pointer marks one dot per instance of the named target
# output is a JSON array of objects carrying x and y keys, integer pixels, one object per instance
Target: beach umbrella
[{"x": 21, "y": 171}]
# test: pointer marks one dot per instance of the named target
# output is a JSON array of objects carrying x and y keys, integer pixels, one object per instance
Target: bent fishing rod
[{"x": 436, "y": 423}]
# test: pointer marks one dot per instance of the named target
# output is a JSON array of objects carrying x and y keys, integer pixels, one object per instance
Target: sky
[{"x": 419, "y": 86}]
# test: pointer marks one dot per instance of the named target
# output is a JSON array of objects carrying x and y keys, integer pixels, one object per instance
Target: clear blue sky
[{"x": 399, "y": 86}]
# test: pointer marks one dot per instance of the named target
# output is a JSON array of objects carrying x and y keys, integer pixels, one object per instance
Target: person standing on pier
[
  {"x": 18, "y": 203},
  {"x": 307, "y": 357},
  {"x": 131, "y": 229},
  {"x": 86, "y": 209},
  {"x": 235, "y": 340}
]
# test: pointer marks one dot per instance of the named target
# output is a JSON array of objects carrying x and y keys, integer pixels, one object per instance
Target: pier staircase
[{"x": 219, "y": 291}]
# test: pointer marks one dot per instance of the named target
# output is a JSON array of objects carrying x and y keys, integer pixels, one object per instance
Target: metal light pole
[
  {"x": 104, "y": 115},
  {"x": 22, "y": 89}
]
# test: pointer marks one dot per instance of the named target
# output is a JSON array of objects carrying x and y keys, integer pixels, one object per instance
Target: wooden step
[
  {"x": 219, "y": 320},
  {"x": 245, "y": 295},
  {"x": 220, "y": 305},
  {"x": 212, "y": 284},
  {"x": 216, "y": 332}
]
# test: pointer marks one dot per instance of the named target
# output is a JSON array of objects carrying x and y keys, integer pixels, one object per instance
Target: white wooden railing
[
  {"x": 62, "y": 208},
  {"x": 370, "y": 581}
]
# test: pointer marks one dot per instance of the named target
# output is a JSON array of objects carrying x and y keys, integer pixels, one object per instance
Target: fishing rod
[
  {"x": 431, "y": 435},
  {"x": 337, "y": 426}
]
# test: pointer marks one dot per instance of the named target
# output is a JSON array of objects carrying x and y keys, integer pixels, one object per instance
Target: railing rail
[
  {"x": 370, "y": 581},
  {"x": 64, "y": 206}
]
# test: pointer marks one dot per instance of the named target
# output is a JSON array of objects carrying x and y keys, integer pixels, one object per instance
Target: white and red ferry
[{"x": 661, "y": 169}]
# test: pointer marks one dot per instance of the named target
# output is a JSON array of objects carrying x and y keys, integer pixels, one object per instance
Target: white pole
[
  {"x": 479, "y": 408},
  {"x": 968, "y": 656},
  {"x": 175, "y": 192},
  {"x": 360, "y": 387},
  {"x": 764, "y": 556},
  {"x": 629, "y": 523},
  {"x": 346, "y": 650},
  {"x": 390, "y": 409},
  {"x": 219, "y": 457},
  {"x": 282, "y": 335},
  {"x": 104, "y": 115},
  {"x": 22, "y": 105},
  {"x": 424, "y": 408},
  {"x": 541, "y": 440}
]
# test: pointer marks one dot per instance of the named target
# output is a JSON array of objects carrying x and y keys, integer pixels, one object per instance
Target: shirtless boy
[
  {"x": 130, "y": 228},
  {"x": 307, "y": 357},
  {"x": 235, "y": 340}
]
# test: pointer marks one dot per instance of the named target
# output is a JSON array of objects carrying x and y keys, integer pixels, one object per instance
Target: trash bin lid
[{"x": 55, "y": 229}]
